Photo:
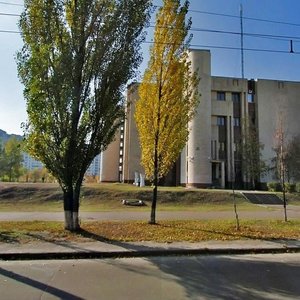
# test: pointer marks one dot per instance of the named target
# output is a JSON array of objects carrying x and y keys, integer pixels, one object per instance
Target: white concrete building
[
  {"x": 94, "y": 168},
  {"x": 30, "y": 164},
  {"x": 211, "y": 155}
]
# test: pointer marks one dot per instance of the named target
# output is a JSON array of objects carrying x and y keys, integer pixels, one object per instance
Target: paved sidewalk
[{"x": 97, "y": 249}]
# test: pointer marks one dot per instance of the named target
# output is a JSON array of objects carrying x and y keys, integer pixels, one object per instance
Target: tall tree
[
  {"x": 280, "y": 159},
  {"x": 292, "y": 159},
  {"x": 77, "y": 57},
  {"x": 167, "y": 97},
  {"x": 253, "y": 164},
  {"x": 2, "y": 161},
  {"x": 12, "y": 159}
]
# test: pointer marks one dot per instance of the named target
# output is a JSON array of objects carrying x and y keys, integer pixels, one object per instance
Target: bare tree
[{"x": 281, "y": 152}]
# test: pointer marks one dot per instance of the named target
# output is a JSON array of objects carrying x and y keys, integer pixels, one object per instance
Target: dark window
[
  {"x": 236, "y": 122},
  {"x": 221, "y": 121},
  {"x": 221, "y": 96},
  {"x": 251, "y": 86},
  {"x": 236, "y": 97},
  {"x": 222, "y": 147}
]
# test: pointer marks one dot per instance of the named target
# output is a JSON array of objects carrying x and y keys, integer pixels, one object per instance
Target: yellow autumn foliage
[{"x": 167, "y": 93}]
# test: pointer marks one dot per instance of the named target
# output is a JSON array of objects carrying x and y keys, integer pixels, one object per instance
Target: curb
[{"x": 143, "y": 253}]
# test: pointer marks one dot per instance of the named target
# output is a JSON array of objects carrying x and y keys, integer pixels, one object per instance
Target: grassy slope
[{"x": 99, "y": 197}]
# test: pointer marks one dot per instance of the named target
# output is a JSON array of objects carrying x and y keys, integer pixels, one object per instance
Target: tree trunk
[
  {"x": 155, "y": 182},
  {"x": 153, "y": 206},
  {"x": 284, "y": 195},
  {"x": 71, "y": 208}
]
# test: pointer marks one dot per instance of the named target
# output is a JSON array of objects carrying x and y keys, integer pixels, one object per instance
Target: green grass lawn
[{"x": 107, "y": 197}]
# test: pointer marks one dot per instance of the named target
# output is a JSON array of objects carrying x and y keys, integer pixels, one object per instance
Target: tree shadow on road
[
  {"x": 45, "y": 288},
  {"x": 216, "y": 276},
  {"x": 210, "y": 277},
  {"x": 227, "y": 277}
]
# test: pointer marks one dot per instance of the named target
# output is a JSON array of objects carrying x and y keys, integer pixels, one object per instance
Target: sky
[{"x": 277, "y": 20}]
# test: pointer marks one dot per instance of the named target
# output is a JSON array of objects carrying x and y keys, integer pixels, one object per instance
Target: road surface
[
  {"x": 177, "y": 278},
  {"x": 275, "y": 212}
]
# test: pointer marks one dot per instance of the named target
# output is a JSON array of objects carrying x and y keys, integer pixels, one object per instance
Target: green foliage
[
  {"x": 274, "y": 187},
  {"x": 290, "y": 187},
  {"x": 253, "y": 165},
  {"x": 2, "y": 161},
  {"x": 298, "y": 187},
  {"x": 11, "y": 158},
  {"x": 37, "y": 175},
  {"x": 292, "y": 159},
  {"x": 76, "y": 59},
  {"x": 288, "y": 159}
]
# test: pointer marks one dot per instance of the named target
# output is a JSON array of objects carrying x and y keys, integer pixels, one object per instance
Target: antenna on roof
[
  {"x": 291, "y": 47},
  {"x": 242, "y": 40}
]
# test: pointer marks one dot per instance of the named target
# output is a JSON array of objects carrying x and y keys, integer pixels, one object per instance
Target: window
[
  {"x": 221, "y": 146},
  {"x": 221, "y": 121},
  {"x": 237, "y": 148},
  {"x": 250, "y": 98},
  {"x": 236, "y": 97},
  {"x": 236, "y": 122},
  {"x": 221, "y": 96},
  {"x": 280, "y": 84}
]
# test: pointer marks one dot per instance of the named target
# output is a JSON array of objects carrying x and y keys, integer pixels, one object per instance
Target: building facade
[
  {"x": 29, "y": 163},
  {"x": 228, "y": 109}
]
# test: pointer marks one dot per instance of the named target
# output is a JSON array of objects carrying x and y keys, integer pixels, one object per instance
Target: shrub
[
  {"x": 290, "y": 187},
  {"x": 274, "y": 187},
  {"x": 298, "y": 187}
]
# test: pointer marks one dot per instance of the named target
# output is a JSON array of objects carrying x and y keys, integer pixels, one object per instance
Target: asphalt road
[
  {"x": 275, "y": 212},
  {"x": 197, "y": 277}
]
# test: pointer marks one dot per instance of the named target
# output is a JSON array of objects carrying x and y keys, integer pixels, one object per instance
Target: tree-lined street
[{"x": 76, "y": 61}]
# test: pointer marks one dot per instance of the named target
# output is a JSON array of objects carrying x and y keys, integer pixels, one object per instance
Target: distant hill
[{"x": 5, "y": 136}]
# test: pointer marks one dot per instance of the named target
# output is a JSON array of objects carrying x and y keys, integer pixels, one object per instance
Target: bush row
[{"x": 289, "y": 187}]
